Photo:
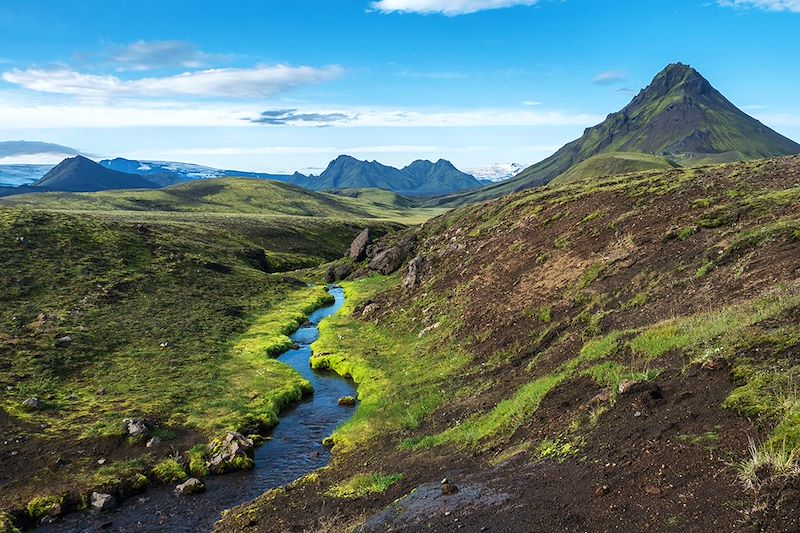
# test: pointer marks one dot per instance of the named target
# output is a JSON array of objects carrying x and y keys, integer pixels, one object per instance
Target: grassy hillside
[
  {"x": 170, "y": 316},
  {"x": 622, "y": 350},
  {"x": 613, "y": 164}
]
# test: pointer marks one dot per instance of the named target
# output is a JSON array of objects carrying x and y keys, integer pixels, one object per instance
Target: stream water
[{"x": 295, "y": 450}]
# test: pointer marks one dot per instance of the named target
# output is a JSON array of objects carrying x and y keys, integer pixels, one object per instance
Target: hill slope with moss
[{"x": 617, "y": 353}]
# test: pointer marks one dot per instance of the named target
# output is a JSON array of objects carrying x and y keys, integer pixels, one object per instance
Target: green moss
[
  {"x": 117, "y": 475},
  {"x": 169, "y": 471},
  {"x": 198, "y": 456},
  {"x": 41, "y": 506},
  {"x": 362, "y": 485},
  {"x": 7, "y": 524},
  {"x": 545, "y": 315}
]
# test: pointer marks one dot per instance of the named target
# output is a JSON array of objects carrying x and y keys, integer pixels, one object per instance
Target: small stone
[
  {"x": 600, "y": 398},
  {"x": 627, "y": 386},
  {"x": 601, "y": 491},
  {"x": 102, "y": 502},
  {"x": 448, "y": 488},
  {"x": 101, "y": 461},
  {"x": 190, "y": 486},
  {"x": 637, "y": 414},
  {"x": 63, "y": 342},
  {"x": 32, "y": 403},
  {"x": 652, "y": 490},
  {"x": 347, "y": 400},
  {"x": 136, "y": 427},
  {"x": 447, "y": 513},
  {"x": 153, "y": 442}
]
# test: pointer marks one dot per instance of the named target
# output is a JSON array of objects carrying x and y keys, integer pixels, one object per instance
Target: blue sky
[{"x": 285, "y": 85}]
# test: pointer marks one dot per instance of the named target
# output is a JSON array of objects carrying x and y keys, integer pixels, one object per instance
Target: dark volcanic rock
[
  {"x": 343, "y": 272},
  {"x": 358, "y": 248},
  {"x": 330, "y": 275},
  {"x": 389, "y": 260},
  {"x": 258, "y": 257}
]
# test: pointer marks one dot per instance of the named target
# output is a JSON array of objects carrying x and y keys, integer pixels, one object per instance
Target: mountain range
[
  {"x": 420, "y": 178},
  {"x": 167, "y": 173},
  {"x": 79, "y": 174},
  {"x": 679, "y": 118}
]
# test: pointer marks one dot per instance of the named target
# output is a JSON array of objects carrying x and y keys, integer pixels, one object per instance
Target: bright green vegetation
[
  {"x": 613, "y": 164},
  {"x": 169, "y": 471},
  {"x": 694, "y": 332},
  {"x": 41, "y": 506},
  {"x": 236, "y": 196},
  {"x": 362, "y": 485},
  {"x": 151, "y": 319},
  {"x": 399, "y": 373},
  {"x": 7, "y": 524}
]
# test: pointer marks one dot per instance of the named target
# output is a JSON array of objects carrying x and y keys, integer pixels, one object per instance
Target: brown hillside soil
[{"x": 530, "y": 281}]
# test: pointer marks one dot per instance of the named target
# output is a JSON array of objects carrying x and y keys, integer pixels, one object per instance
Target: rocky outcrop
[
  {"x": 414, "y": 274},
  {"x": 389, "y": 260},
  {"x": 234, "y": 452},
  {"x": 358, "y": 248}
]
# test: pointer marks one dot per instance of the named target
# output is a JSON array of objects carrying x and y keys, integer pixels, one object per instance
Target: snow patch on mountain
[{"x": 497, "y": 171}]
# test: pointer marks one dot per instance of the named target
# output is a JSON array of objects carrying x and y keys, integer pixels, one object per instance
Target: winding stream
[{"x": 295, "y": 450}]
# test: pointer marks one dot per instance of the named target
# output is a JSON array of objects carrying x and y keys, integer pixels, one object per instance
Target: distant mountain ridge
[
  {"x": 679, "y": 117},
  {"x": 167, "y": 173},
  {"x": 79, "y": 174},
  {"x": 420, "y": 178}
]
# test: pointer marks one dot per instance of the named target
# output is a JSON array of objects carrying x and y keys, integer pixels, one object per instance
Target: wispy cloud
[
  {"x": 154, "y": 55},
  {"x": 280, "y": 117},
  {"x": 531, "y": 103},
  {"x": 257, "y": 82},
  {"x": 769, "y": 5},
  {"x": 145, "y": 113},
  {"x": 610, "y": 77},
  {"x": 433, "y": 75},
  {"x": 445, "y": 7}
]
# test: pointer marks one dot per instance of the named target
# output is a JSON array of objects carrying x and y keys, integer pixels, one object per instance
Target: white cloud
[
  {"x": 531, "y": 103},
  {"x": 769, "y": 5},
  {"x": 150, "y": 55},
  {"x": 257, "y": 82},
  {"x": 166, "y": 114},
  {"x": 445, "y": 7},
  {"x": 610, "y": 77}
]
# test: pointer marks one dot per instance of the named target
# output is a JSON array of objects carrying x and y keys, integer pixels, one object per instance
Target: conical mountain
[
  {"x": 679, "y": 117},
  {"x": 79, "y": 174}
]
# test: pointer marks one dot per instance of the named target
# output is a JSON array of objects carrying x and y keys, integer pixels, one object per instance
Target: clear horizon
[{"x": 289, "y": 87}]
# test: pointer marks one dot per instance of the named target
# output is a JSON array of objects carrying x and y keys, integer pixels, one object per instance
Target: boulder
[
  {"x": 136, "y": 427},
  {"x": 102, "y": 502},
  {"x": 347, "y": 400},
  {"x": 32, "y": 403},
  {"x": 343, "y": 272},
  {"x": 330, "y": 275},
  {"x": 358, "y": 248},
  {"x": 190, "y": 486},
  {"x": 389, "y": 260},
  {"x": 414, "y": 274},
  {"x": 63, "y": 342}
]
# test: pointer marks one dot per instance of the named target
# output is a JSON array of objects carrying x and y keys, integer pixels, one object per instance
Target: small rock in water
[
  {"x": 32, "y": 403},
  {"x": 347, "y": 400},
  {"x": 190, "y": 486},
  {"x": 102, "y": 502}
]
